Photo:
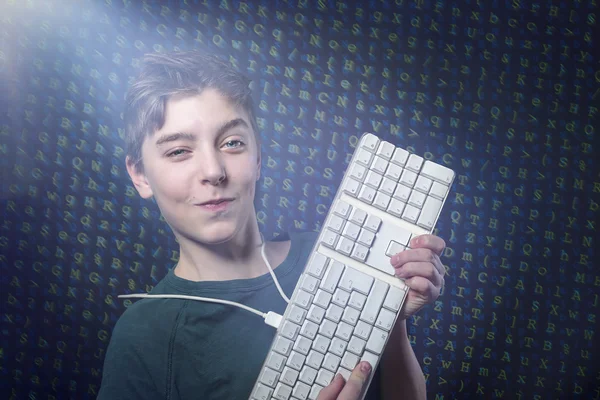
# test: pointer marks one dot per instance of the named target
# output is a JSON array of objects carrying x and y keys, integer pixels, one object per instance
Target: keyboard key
[
  {"x": 400, "y": 156},
  {"x": 438, "y": 190},
  {"x": 262, "y": 392},
  {"x": 402, "y": 193},
  {"x": 362, "y": 330},
  {"x": 379, "y": 165},
  {"x": 351, "y": 315},
  {"x": 429, "y": 214},
  {"x": 314, "y": 359},
  {"x": 324, "y": 377},
  {"x": 356, "y": 280},
  {"x": 351, "y": 186},
  {"x": 309, "y": 329},
  {"x": 302, "y": 345},
  {"x": 411, "y": 213},
  {"x": 408, "y": 178},
  {"x": 289, "y": 376},
  {"x": 345, "y": 373},
  {"x": 349, "y": 360},
  {"x": 414, "y": 163},
  {"x": 386, "y": 150},
  {"x": 338, "y": 346},
  {"x": 366, "y": 237},
  {"x": 282, "y": 392},
  {"x": 423, "y": 184},
  {"x": 357, "y": 300},
  {"x": 373, "y": 179},
  {"x": 308, "y": 375},
  {"x": 336, "y": 223},
  {"x": 317, "y": 265},
  {"x": 290, "y": 330},
  {"x": 342, "y": 208},
  {"x": 364, "y": 157},
  {"x": 345, "y": 246},
  {"x": 334, "y": 313},
  {"x": 356, "y": 345},
  {"x": 394, "y": 172},
  {"x": 322, "y": 299},
  {"x": 374, "y": 302},
  {"x": 269, "y": 377},
  {"x": 385, "y": 320},
  {"x": 437, "y": 172},
  {"x": 309, "y": 283},
  {"x": 387, "y": 186},
  {"x": 394, "y": 298},
  {"x": 372, "y": 223},
  {"x": 314, "y": 392},
  {"x": 296, "y": 314},
  {"x": 417, "y": 199},
  {"x": 283, "y": 345},
  {"x": 303, "y": 299},
  {"x": 301, "y": 391},
  {"x": 344, "y": 331},
  {"x": 331, "y": 362},
  {"x": 366, "y": 194},
  {"x": 358, "y": 216},
  {"x": 321, "y": 344},
  {"x": 376, "y": 341},
  {"x": 332, "y": 276},
  {"x": 382, "y": 201},
  {"x": 340, "y": 297},
  {"x": 276, "y": 361},
  {"x": 316, "y": 314},
  {"x": 327, "y": 328},
  {"x": 296, "y": 360},
  {"x": 394, "y": 248},
  {"x": 330, "y": 238},
  {"x": 396, "y": 207},
  {"x": 370, "y": 142},
  {"x": 351, "y": 230},
  {"x": 358, "y": 172},
  {"x": 360, "y": 252}
]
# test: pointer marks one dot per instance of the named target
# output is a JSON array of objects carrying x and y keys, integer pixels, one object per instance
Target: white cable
[
  {"x": 271, "y": 318},
  {"x": 262, "y": 253}
]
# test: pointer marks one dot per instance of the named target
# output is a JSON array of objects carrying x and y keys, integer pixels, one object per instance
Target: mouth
[{"x": 216, "y": 205}]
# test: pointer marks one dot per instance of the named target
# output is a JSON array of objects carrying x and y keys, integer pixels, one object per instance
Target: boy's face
[{"x": 206, "y": 150}]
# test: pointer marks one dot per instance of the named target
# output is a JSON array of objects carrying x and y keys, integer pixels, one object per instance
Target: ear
[
  {"x": 258, "y": 165},
  {"x": 139, "y": 179}
]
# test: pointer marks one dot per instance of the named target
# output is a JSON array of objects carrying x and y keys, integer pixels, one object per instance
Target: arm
[
  {"x": 401, "y": 374},
  {"x": 423, "y": 272}
]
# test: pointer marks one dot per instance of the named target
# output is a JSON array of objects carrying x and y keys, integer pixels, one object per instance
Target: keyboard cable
[{"x": 271, "y": 318}]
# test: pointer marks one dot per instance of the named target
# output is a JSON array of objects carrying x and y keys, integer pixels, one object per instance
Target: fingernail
[
  {"x": 416, "y": 241},
  {"x": 365, "y": 367},
  {"x": 338, "y": 377}
]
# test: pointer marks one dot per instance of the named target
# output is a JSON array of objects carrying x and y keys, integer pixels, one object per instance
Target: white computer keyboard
[{"x": 347, "y": 299}]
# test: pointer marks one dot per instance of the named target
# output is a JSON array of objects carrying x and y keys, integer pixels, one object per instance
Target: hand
[
  {"x": 422, "y": 271},
  {"x": 339, "y": 389}
]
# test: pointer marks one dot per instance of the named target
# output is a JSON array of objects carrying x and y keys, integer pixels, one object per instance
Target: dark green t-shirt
[{"x": 191, "y": 350}]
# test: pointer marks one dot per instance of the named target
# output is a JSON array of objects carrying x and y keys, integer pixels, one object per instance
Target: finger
[
  {"x": 331, "y": 391},
  {"x": 424, "y": 287},
  {"x": 413, "y": 255},
  {"x": 432, "y": 242},
  {"x": 424, "y": 270},
  {"x": 356, "y": 383}
]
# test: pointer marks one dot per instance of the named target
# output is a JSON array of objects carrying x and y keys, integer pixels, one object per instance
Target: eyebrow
[{"x": 171, "y": 137}]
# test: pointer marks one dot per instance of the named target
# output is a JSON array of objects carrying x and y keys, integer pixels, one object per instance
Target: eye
[
  {"x": 232, "y": 144},
  {"x": 175, "y": 153}
]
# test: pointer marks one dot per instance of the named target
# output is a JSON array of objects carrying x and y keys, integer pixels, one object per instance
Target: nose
[{"x": 212, "y": 168}]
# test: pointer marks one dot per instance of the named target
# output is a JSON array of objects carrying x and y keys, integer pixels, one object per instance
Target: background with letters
[{"x": 506, "y": 93}]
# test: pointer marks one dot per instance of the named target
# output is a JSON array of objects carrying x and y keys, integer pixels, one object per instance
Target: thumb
[{"x": 356, "y": 383}]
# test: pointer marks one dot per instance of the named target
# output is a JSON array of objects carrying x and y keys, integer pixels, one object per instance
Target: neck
[{"x": 238, "y": 258}]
